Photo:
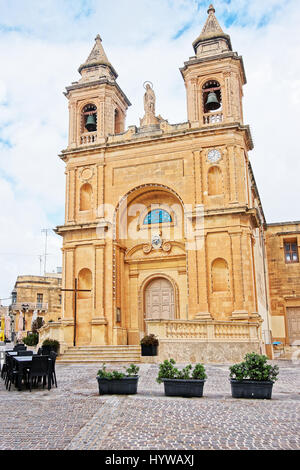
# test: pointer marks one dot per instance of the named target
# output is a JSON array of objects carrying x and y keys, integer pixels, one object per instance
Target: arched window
[
  {"x": 220, "y": 275},
  {"x": 85, "y": 283},
  {"x": 212, "y": 97},
  {"x": 215, "y": 182},
  {"x": 157, "y": 216},
  {"x": 86, "y": 192},
  {"x": 118, "y": 127},
  {"x": 89, "y": 118}
]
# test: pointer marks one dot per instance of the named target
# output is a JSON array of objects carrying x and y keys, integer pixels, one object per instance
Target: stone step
[
  {"x": 93, "y": 361},
  {"x": 90, "y": 354}
]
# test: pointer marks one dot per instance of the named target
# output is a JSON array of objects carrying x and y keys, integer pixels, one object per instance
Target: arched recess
[
  {"x": 215, "y": 181},
  {"x": 118, "y": 121},
  {"x": 220, "y": 275},
  {"x": 85, "y": 283},
  {"x": 129, "y": 197},
  {"x": 86, "y": 192}
]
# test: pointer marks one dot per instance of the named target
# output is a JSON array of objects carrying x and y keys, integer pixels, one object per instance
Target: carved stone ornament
[
  {"x": 157, "y": 244},
  {"x": 147, "y": 248},
  {"x": 86, "y": 174},
  {"x": 166, "y": 246}
]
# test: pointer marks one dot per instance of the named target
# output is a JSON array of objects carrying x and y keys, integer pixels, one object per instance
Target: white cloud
[{"x": 43, "y": 43}]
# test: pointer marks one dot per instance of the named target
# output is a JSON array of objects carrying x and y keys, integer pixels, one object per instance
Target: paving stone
[{"x": 74, "y": 416}]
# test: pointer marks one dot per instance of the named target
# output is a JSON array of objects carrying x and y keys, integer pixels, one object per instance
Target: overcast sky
[{"x": 42, "y": 45}]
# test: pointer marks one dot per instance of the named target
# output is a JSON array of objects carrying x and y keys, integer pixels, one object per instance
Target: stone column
[
  {"x": 232, "y": 176},
  {"x": 99, "y": 322},
  {"x": 239, "y": 311},
  {"x": 71, "y": 205},
  {"x": 136, "y": 313},
  {"x": 68, "y": 312}
]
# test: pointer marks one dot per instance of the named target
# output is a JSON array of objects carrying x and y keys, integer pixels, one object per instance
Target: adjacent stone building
[
  {"x": 36, "y": 294},
  {"x": 283, "y": 241},
  {"x": 164, "y": 229}
]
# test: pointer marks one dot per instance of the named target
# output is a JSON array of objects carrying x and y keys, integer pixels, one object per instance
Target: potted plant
[
  {"x": 118, "y": 383},
  {"x": 31, "y": 339},
  {"x": 149, "y": 345},
  {"x": 253, "y": 378},
  {"x": 183, "y": 383},
  {"x": 50, "y": 345}
]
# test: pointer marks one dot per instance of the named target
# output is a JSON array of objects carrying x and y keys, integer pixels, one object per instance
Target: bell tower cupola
[
  {"x": 214, "y": 78},
  {"x": 97, "y": 105}
]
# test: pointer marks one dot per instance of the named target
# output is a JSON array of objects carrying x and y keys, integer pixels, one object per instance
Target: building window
[
  {"x": 157, "y": 216},
  {"x": 291, "y": 251},
  {"x": 39, "y": 300},
  {"x": 14, "y": 297}
]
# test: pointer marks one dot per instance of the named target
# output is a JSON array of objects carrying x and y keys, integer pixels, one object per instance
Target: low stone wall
[{"x": 205, "y": 352}]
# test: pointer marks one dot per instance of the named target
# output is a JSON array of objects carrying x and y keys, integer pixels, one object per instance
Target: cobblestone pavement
[{"x": 74, "y": 416}]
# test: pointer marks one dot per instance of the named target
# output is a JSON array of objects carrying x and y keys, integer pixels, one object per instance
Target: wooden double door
[
  {"x": 293, "y": 324},
  {"x": 159, "y": 300}
]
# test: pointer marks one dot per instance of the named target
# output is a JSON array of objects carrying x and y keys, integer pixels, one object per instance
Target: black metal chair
[
  {"x": 25, "y": 353},
  {"x": 11, "y": 373},
  {"x": 53, "y": 357},
  {"x": 40, "y": 368},
  {"x": 18, "y": 347},
  {"x": 46, "y": 350},
  {"x": 4, "y": 368}
]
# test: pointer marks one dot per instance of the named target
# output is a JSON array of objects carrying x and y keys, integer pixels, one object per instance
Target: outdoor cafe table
[{"x": 22, "y": 362}]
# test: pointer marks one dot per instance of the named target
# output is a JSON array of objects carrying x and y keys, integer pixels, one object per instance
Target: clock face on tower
[{"x": 214, "y": 156}]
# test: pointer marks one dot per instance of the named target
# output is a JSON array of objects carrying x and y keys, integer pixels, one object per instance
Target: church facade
[{"x": 164, "y": 230}]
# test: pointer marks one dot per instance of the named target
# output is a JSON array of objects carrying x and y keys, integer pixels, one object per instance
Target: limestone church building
[{"x": 164, "y": 229}]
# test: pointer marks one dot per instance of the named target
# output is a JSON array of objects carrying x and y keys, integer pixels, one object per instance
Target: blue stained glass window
[{"x": 157, "y": 216}]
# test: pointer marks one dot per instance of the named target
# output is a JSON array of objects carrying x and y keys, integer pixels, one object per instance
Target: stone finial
[
  {"x": 98, "y": 58},
  {"x": 211, "y": 30}
]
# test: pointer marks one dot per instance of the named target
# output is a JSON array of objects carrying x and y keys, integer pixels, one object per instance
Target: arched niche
[
  {"x": 85, "y": 283},
  {"x": 86, "y": 192},
  {"x": 220, "y": 275},
  {"x": 215, "y": 181}
]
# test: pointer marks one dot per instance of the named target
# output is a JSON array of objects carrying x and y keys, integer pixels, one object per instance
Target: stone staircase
[{"x": 100, "y": 354}]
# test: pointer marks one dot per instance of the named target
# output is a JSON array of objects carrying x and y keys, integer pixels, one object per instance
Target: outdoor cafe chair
[
  {"x": 19, "y": 347},
  {"x": 11, "y": 373},
  {"x": 40, "y": 368},
  {"x": 53, "y": 357}
]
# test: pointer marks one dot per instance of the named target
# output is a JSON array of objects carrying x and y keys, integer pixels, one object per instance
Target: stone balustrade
[
  {"x": 203, "y": 330},
  {"x": 212, "y": 118},
  {"x": 30, "y": 306},
  {"x": 88, "y": 138}
]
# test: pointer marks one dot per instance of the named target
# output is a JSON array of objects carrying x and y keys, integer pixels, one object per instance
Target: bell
[
  {"x": 212, "y": 102},
  {"x": 91, "y": 125}
]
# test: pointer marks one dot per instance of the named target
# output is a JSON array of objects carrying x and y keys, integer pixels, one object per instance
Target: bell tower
[
  {"x": 214, "y": 78},
  {"x": 97, "y": 105}
]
